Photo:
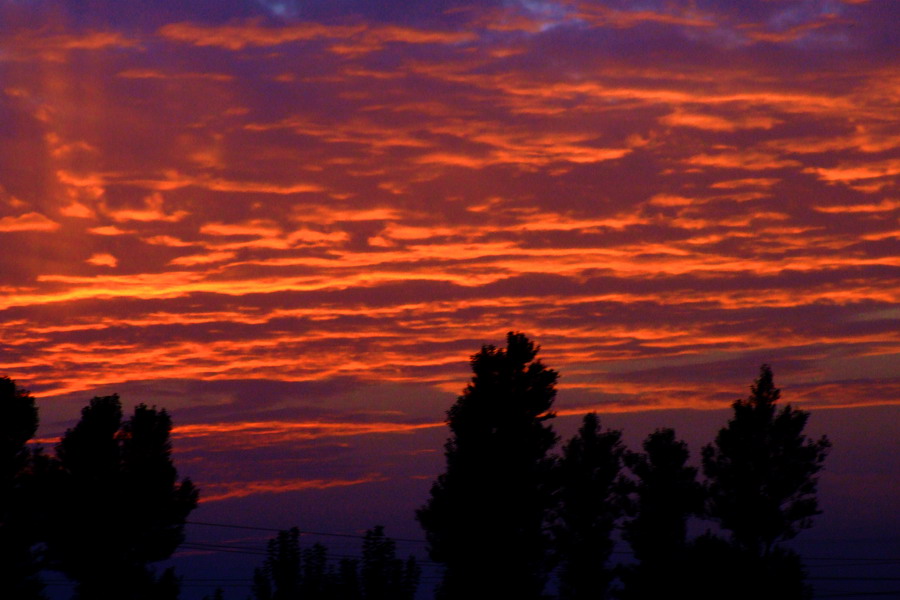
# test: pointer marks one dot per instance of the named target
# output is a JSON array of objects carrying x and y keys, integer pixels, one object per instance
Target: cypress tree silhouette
[
  {"x": 315, "y": 577},
  {"x": 762, "y": 486},
  {"x": 383, "y": 575},
  {"x": 666, "y": 493},
  {"x": 378, "y": 570},
  {"x": 20, "y": 522},
  {"x": 279, "y": 578},
  {"x": 262, "y": 585},
  {"x": 485, "y": 519},
  {"x": 591, "y": 500},
  {"x": 347, "y": 585},
  {"x": 120, "y": 504}
]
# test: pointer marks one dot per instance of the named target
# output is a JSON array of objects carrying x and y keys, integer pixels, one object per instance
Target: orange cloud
[
  {"x": 174, "y": 180},
  {"x": 282, "y": 431},
  {"x": 355, "y": 39},
  {"x": 751, "y": 160},
  {"x": 671, "y": 200},
  {"x": 216, "y": 492},
  {"x": 603, "y": 16},
  {"x": 109, "y": 230},
  {"x": 237, "y": 36},
  {"x": 376, "y": 37},
  {"x": 756, "y": 32},
  {"x": 28, "y": 222},
  {"x": 103, "y": 260},
  {"x": 154, "y": 74},
  {"x": 748, "y": 182},
  {"x": 253, "y": 228},
  {"x": 55, "y": 47},
  {"x": 710, "y": 122},
  {"x": 151, "y": 211},
  {"x": 854, "y": 172},
  {"x": 883, "y": 206}
]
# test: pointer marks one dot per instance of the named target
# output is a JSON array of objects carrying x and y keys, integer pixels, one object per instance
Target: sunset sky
[{"x": 292, "y": 223}]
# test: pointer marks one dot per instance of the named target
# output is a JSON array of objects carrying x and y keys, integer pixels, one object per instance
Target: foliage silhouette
[
  {"x": 591, "y": 500},
  {"x": 716, "y": 568},
  {"x": 122, "y": 506},
  {"x": 485, "y": 519},
  {"x": 291, "y": 573},
  {"x": 762, "y": 470},
  {"x": 665, "y": 494},
  {"x": 315, "y": 579},
  {"x": 762, "y": 483},
  {"x": 20, "y": 496},
  {"x": 346, "y": 584},
  {"x": 383, "y": 575},
  {"x": 279, "y": 579}
]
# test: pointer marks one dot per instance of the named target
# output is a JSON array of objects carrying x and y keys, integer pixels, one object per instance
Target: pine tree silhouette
[
  {"x": 666, "y": 494},
  {"x": 591, "y": 500},
  {"x": 486, "y": 516},
  {"x": 762, "y": 490}
]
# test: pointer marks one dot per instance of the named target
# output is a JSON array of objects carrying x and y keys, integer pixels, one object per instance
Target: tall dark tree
[
  {"x": 665, "y": 494},
  {"x": 762, "y": 470},
  {"x": 762, "y": 482},
  {"x": 121, "y": 506},
  {"x": 19, "y": 494},
  {"x": 383, "y": 575},
  {"x": 281, "y": 576},
  {"x": 316, "y": 579},
  {"x": 716, "y": 568},
  {"x": 487, "y": 515},
  {"x": 591, "y": 500},
  {"x": 345, "y": 581}
]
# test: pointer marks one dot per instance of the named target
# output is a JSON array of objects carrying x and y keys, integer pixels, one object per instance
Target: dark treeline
[
  {"x": 516, "y": 514},
  {"x": 290, "y": 572},
  {"x": 509, "y": 515},
  {"x": 108, "y": 503}
]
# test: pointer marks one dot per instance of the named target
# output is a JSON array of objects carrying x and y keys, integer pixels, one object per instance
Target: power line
[
  {"x": 210, "y": 547},
  {"x": 302, "y": 531},
  {"x": 894, "y": 593},
  {"x": 854, "y": 578}
]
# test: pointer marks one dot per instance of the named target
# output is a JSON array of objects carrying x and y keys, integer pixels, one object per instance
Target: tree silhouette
[
  {"x": 279, "y": 577},
  {"x": 315, "y": 577},
  {"x": 20, "y": 522},
  {"x": 666, "y": 494},
  {"x": 346, "y": 584},
  {"x": 716, "y": 568},
  {"x": 485, "y": 519},
  {"x": 383, "y": 575},
  {"x": 590, "y": 502},
  {"x": 762, "y": 481},
  {"x": 262, "y": 585},
  {"x": 120, "y": 506}
]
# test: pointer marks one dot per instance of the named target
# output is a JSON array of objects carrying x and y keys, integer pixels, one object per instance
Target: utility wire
[{"x": 302, "y": 531}]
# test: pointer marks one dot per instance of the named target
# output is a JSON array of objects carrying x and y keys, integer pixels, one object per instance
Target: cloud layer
[{"x": 347, "y": 205}]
